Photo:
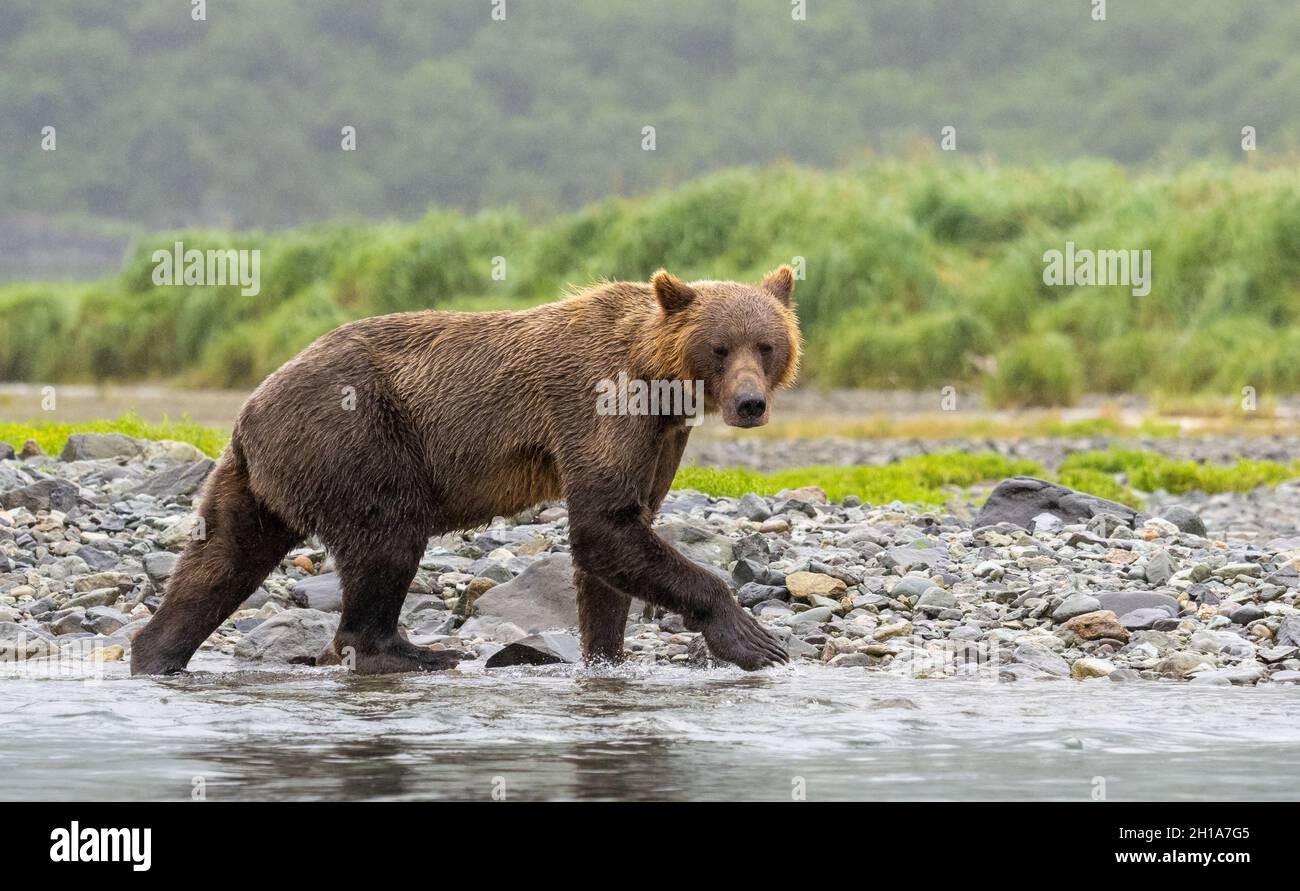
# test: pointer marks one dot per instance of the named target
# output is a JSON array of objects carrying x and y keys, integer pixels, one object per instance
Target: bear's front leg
[
  {"x": 602, "y": 618},
  {"x": 611, "y": 538}
]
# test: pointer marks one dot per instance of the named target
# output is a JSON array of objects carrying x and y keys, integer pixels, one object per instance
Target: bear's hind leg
[
  {"x": 602, "y": 618},
  {"x": 242, "y": 543},
  {"x": 375, "y": 581}
]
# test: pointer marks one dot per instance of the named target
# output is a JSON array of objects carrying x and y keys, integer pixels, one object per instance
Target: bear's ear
[
  {"x": 674, "y": 295},
  {"x": 780, "y": 284}
]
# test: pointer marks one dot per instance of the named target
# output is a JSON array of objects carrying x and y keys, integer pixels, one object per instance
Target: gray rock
[
  {"x": 697, "y": 544},
  {"x": 159, "y": 566},
  {"x": 7, "y": 452},
  {"x": 96, "y": 559},
  {"x": 1148, "y": 617},
  {"x": 815, "y": 616},
  {"x": 21, "y": 642},
  {"x": 550, "y": 648},
  {"x": 911, "y": 586},
  {"x": 1075, "y": 605},
  {"x": 47, "y": 494},
  {"x": 753, "y": 593},
  {"x": 1041, "y": 658},
  {"x": 751, "y": 570},
  {"x": 1278, "y": 654},
  {"x": 1185, "y": 519},
  {"x": 322, "y": 592},
  {"x": 1160, "y": 568},
  {"x": 1124, "y": 602},
  {"x": 1020, "y": 499},
  {"x": 257, "y": 599},
  {"x": 541, "y": 598},
  {"x": 96, "y": 597},
  {"x": 1242, "y": 676},
  {"x": 753, "y": 507},
  {"x": 1022, "y": 671},
  {"x": 298, "y": 636},
  {"x": 1208, "y": 641},
  {"x": 175, "y": 482},
  {"x": 936, "y": 600},
  {"x": 932, "y": 556},
  {"x": 1183, "y": 664},
  {"x": 752, "y": 547},
  {"x": 1046, "y": 522},
  {"x": 104, "y": 620},
  {"x": 69, "y": 622},
  {"x": 100, "y": 446},
  {"x": 1244, "y": 615},
  {"x": 1288, "y": 633},
  {"x": 1124, "y": 674}
]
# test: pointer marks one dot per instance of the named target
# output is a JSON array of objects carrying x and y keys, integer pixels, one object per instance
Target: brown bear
[{"x": 392, "y": 429}]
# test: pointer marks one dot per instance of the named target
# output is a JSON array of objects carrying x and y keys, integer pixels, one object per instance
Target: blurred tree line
[{"x": 236, "y": 121}]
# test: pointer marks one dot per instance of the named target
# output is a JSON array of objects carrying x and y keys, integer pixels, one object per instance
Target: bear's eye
[
  {"x": 765, "y": 349},
  {"x": 720, "y": 352}
]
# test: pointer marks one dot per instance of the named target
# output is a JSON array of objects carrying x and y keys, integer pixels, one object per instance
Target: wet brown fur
[{"x": 461, "y": 417}]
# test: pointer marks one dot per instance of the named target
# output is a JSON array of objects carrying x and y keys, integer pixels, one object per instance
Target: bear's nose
[{"x": 750, "y": 406}]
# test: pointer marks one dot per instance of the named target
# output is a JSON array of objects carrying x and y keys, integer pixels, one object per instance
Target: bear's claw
[{"x": 737, "y": 637}]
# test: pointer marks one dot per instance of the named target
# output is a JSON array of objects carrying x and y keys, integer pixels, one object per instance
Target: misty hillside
[{"x": 235, "y": 121}]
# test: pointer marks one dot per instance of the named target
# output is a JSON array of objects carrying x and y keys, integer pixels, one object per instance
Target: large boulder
[
  {"x": 19, "y": 642},
  {"x": 1020, "y": 499},
  {"x": 176, "y": 481},
  {"x": 538, "y": 649},
  {"x": 322, "y": 592},
  {"x": 698, "y": 544},
  {"x": 541, "y": 598},
  {"x": 100, "y": 446},
  {"x": 1186, "y": 519},
  {"x": 295, "y": 635},
  {"x": 47, "y": 494}
]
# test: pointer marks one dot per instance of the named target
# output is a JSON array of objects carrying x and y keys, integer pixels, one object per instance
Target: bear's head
[{"x": 741, "y": 340}]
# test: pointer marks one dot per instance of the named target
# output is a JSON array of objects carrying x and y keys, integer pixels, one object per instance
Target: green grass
[
  {"x": 52, "y": 435},
  {"x": 1148, "y": 472},
  {"x": 918, "y": 274},
  {"x": 1118, "y": 474},
  {"x": 921, "y": 480}
]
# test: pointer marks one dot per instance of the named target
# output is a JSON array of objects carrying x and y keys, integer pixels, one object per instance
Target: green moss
[
  {"x": 927, "y": 479},
  {"x": 52, "y": 436},
  {"x": 1118, "y": 474},
  {"x": 1150, "y": 472}
]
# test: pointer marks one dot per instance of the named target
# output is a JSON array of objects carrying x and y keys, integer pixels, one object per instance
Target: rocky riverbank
[
  {"x": 1201, "y": 589},
  {"x": 777, "y": 454}
]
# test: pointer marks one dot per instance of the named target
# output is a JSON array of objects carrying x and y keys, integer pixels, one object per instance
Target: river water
[{"x": 230, "y": 732}]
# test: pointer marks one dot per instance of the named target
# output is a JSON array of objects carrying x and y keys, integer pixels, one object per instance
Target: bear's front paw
[{"x": 737, "y": 637}]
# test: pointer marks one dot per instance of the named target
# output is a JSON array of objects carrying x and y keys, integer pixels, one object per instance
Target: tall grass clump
[{"x": 913, "y": 274}]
